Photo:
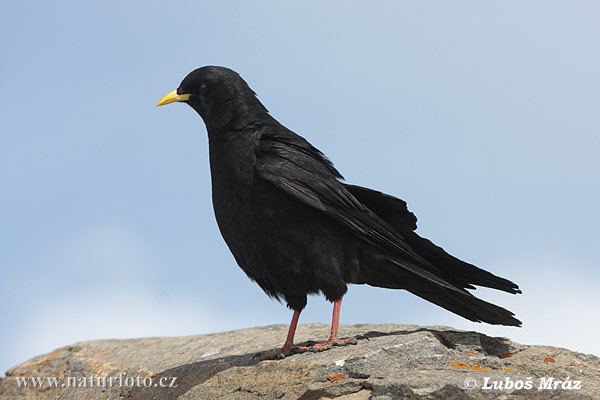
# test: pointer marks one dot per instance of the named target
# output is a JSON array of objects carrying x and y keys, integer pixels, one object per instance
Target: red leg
[
  {"x": 289, "y": 341},
  {"x": 333, "y": 338},
  {"x": 335, "y": 320}
]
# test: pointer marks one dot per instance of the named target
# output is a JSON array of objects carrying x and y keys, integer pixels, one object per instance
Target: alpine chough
[{"x": 294, "y": 226}]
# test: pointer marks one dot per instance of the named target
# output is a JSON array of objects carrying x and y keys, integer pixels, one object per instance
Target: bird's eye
[{"x": 203, "y": 88}]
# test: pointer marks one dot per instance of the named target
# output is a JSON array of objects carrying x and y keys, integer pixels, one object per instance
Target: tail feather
[
  {"x": 461, "y": 273},
  {"x": 385, "y": 273},
  {"x": 453, "y": 276},
  {"x": 469, "y": 306}
]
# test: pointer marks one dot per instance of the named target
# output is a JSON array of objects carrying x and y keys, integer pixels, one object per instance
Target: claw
[
  {"x": 317, "y": 347},
  {"x": 281, "y": 353},
  {"x": 290, "y": 349}
]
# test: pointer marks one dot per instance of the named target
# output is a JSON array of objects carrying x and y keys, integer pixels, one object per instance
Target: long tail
[
  {"x": 452, "y": 276},
  {"x": 468, "y": 306},
  {"x": 455, "y": 271},
  {"x": 461, "y": 273},
  {"x": 385, "y": 272}
]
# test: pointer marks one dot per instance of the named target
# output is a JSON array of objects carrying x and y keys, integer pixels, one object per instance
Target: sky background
[{"x": 483, "y": 116}]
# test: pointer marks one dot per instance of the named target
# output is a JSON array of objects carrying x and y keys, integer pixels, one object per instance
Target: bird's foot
[
  {"x": 288, "y": 349},
  {"x": 332, "y": 342}
]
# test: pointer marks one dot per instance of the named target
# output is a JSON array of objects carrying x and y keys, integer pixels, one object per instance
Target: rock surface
[{"x": 389, "y": 362}]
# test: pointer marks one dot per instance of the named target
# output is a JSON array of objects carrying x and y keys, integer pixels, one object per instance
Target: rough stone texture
[{"x": 389, "y": 362}]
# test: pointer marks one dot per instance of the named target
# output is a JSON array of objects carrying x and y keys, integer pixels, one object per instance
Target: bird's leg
[
  {"x": 289, "y": 341},
  {"x": 289, "y": 347},
  {"x": 334, "y": 340}
]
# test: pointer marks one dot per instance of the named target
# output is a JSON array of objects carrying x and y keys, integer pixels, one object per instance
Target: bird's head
[{"x": 218, "y": 94}]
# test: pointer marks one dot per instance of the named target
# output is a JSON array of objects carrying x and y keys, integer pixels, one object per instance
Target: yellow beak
[{"x": 172, "y": 97}]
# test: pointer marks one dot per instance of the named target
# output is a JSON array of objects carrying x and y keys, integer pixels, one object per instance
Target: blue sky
[{"x": 483, "y": 116}]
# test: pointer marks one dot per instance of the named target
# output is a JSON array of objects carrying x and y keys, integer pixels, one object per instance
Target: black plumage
[{"x": 296, "y": 229}]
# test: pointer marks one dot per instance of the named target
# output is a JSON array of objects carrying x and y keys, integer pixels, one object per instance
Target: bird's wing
[
  {"x": 300, "y": 170},
  {"x": 391, "y": 209},
  {"x": 394, "y": 211}
]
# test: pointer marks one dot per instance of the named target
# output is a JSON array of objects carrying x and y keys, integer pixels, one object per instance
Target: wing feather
[{"x": 301, "y": 171}]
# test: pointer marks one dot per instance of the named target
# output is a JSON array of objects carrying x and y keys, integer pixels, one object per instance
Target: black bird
[{"x": 296, "y": 229}]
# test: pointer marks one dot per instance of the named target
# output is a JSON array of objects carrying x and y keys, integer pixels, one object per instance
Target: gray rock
[{"x": 389, "y": 362}]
